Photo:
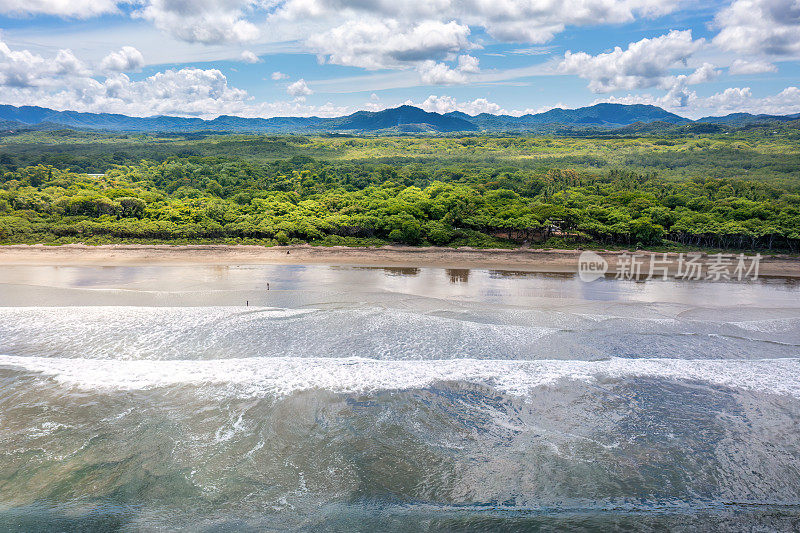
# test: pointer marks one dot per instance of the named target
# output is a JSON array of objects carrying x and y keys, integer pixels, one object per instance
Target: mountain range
[{"x": 403, "y": 119}]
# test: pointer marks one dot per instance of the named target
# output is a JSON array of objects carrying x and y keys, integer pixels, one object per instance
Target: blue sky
[{"x": 331, "y": 57}]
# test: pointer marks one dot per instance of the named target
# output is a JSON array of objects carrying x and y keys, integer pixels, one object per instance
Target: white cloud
[
  {"x": 371, "y": 34},
  {"x": 644, "y": 63},
  {"x": 188, "y": 91},
  {"x": 249, "y": 57},
  {"x": 678, "y": 93},
  {"x": 731, "y": 100},
  {"x": 126, "y": 59},
  {"x": 202, "y": 21},
  {"x": 22, "y": 68},
  {"x": 433, "y": 73},
  {"x": 539, "y": 22},
  {"x": 738, "y": 99},
  {"x": 66, "y": 64},
  {"x": 374, "y": 103},
  {"x": 185, "y": 92},
  {"x": 468, "y": 64},
  {"x": 278, "y": 75},
  {"x": 506, "y": 20},
  {"x": 376, "y": 44},
  {"x": 61, "y": 8},
  {"x": 299, "y": 88},
  {"x": 427, "y": 46},
  {"x": 62, "y": 82},
  {"x": 447, "y": 104},
  {"x": 770, "y": 27},
  {"x": 757, "y": 66},
  {"x": 704, "y": 74}
]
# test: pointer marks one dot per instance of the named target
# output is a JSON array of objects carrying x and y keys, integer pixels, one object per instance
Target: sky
[{"x": 263, "y": 58}]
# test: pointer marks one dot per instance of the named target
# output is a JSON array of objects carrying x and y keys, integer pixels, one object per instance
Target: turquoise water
[{"x": 347, "y": 398}]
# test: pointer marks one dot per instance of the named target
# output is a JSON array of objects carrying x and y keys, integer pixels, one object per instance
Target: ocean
[{"x": 336, "y": 398}]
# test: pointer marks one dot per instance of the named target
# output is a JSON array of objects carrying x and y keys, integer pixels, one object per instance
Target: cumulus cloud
[
  {"x": 66, "y": 64},
  {"x": 643, "y": 64},
  {"x": 376, "y": 44},
  {"x": 507, "y": 20},
  {"x": 731, "y": 100},
  {"x": 704, "y": 74},
  {"x": 770, "y": 27},
  {"x": 188, "y": 91},
  {"x": 447, "y": 104},
  {"x": 63, "y": 82},
  {"x": 299, "y": 88},
  {"x": 430, "y": 47},
  {"x": 539, "y": 22},
  {"x": 741, "y": 99},
  {"x": 468, "y": 64},
  {"x": 23, "y": 68},
  {"x": 278, "y": 75},
  {"x": 371, "y": 34},
  {"x": 203, "y": 93},
  {"x": 249, "y": 57},
  {"x": 434, "y": 73},
  {"x": 757, "y": 66},
  {"x": 126, "y": 59},
  {"x": 678, "y": 92},
  {"x": 203, "y": 21},
  {"x": 61, "y": 8}
]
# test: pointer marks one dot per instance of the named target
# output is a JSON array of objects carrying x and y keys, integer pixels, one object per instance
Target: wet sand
[{"x": 400, "y": 256}]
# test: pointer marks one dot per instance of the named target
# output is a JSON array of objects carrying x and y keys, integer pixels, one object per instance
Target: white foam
[
  {"x": 181, "y": 333},
  {"x": 283, "y": 375},
  {"x": 774, "y": 325}
]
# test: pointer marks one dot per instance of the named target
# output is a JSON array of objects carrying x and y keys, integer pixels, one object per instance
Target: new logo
[{"x": 591, "y": 266}]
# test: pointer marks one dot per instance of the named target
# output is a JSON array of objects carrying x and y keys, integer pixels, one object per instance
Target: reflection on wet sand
[
  {"x": 458, "y": 275},
  {"x": 511, "y": 274},
  {"x": 392, "y": 271}
]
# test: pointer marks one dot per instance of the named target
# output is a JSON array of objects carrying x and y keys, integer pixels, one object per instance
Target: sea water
[{"x": 397, "y": 399}]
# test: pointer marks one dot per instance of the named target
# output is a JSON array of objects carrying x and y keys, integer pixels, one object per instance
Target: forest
[{"x": 736, "y": 190}]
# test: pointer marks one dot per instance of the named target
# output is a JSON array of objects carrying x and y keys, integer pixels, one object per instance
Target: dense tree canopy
[{"x": 300, "y": 199}]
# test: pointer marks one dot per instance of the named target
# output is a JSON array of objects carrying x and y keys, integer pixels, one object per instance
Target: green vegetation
[{"x": 734, "y": 190}]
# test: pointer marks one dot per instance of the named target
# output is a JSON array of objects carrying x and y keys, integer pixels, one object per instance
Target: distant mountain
[
  {"x": 603, "y": 115},
  {"x": 361, "y": 121},
  {"x": 97, "y": 121},
  {"x": 739, "y": 119},
  {"x": 606, "y": 115},
  {"x": 403, "y": 119},
  {"x": 400, "y": 116}
]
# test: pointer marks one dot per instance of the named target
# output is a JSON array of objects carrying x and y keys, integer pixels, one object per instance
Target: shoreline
[{"x": 528, "y": 260}]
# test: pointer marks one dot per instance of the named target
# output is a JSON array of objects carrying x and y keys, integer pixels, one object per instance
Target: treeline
[
  {"x": 765, "y": 154},
  {"x": 296, "y": 200}
]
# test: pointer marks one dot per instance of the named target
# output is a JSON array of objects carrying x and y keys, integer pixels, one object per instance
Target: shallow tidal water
[{"x": 394, "y": 399}]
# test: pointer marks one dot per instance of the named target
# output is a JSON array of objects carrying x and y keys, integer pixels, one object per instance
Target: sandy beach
[{"x": 389, "y": 256}]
